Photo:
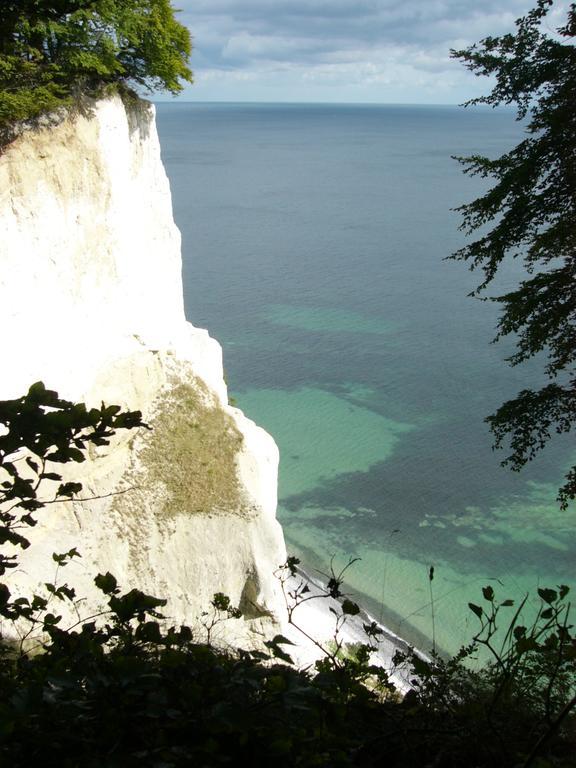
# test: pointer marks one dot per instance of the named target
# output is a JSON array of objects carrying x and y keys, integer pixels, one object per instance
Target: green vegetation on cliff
[
  {"x": 53, "y": 51},
  {"x": 200, "y": 465}
]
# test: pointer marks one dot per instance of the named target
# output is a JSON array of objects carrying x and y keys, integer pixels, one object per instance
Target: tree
[
  {"x": 52, "y": 50},
  {"x": 531, "y": 210}
]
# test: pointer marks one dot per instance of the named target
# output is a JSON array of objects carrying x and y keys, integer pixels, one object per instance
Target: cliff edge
[{"x": 91, "y": 303}]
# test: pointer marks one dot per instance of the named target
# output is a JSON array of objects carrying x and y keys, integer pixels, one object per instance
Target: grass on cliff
[{"x": 191, "y": 452}]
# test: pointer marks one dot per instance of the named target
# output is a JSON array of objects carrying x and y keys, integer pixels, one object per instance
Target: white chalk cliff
[{"x": 91, "y": 303}]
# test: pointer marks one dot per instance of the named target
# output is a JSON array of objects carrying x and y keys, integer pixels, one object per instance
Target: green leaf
[
  {"x": 106, "y": 583},
  {"x": 4, "y": 595},
  {"x": 149, "y": 632},
  {"x": 50, "y": 620},
  {"x": 281, "y": 640},
  {"x": 292, "y": 563},
  {"x": 277, "y": 651},
  {"x": 420, "y": 666},
  {"x": 31, "y": 505},
  {"x": 488, "y": 593},
  {"x": 50, "y": 476},
  {"x": 476, "y": 609},
  {"x": 38, "y": 392},
  {"x": 548, "y": 595},
  {"x": 372, "y": 629},
  {"x": 135, "y": 604},
  {"x": 525, "y": 644},
  {"x": 220, "y": 601},
  {"x": 185, "y": 634},
  {"x": 32, "y": 464},
  {"x": 69, "y": 489},
  {"x": 350, "y": 608},
  {"x": 563, "y": 589},
  {"x": 76, "y": 455}
]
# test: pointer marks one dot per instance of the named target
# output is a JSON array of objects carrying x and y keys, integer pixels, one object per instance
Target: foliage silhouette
[
  {"x": 125, "y": 688},
  {"x": 39, "y": 430},
  {"x": 530, "y": 214}
]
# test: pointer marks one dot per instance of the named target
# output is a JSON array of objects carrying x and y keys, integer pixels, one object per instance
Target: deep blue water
[{"x": 314, "y": 247}]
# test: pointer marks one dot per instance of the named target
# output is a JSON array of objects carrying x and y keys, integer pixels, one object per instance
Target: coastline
[{"x": 314, "y": 620}]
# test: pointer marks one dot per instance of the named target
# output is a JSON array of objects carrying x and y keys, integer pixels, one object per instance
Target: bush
[{"x": 125, "y": 689}]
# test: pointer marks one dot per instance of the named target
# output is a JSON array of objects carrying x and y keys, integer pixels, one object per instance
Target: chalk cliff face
[{"x": 91, "y": 303}]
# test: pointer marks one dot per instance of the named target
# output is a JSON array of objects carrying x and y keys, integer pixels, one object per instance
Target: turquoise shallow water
[{"x": 314, "y": 241}]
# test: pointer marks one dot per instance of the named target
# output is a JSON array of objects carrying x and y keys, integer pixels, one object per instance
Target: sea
[{"x": 316, "y": 249}]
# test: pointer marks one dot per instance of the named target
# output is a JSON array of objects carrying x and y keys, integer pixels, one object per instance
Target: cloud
[
  {"x": 364, "y": 42},
  {"x": 248, "y": 47}
]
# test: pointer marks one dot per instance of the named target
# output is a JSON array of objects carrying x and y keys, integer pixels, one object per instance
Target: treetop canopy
[{"x": 53, "y": 50}]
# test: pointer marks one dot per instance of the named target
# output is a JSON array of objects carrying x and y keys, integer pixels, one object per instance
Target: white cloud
[
  {"x": 246, "y": 46},
  {"x": 343, "y": 49}
]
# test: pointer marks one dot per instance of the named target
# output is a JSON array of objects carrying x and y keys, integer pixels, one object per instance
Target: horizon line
[{"x": 260, "y": 102}]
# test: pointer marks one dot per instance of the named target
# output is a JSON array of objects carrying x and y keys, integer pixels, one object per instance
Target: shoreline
[{"x": 314, "y": 620}]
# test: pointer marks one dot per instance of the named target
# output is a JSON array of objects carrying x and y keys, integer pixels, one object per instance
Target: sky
[{"x": 360, "y": 51}]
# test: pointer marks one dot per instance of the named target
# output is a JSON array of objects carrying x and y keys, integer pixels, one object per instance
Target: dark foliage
[
  {"x": 40, "y": 429},
  {"x": 530, "y": 214},
  {"x": 126, "y": 689}
]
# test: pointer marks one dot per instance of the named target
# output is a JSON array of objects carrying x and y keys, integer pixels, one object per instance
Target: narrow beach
[{"x": 314, "y": 620}]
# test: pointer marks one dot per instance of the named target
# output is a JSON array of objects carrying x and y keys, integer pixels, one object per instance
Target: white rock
[{"x": 91, "y": 303}]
